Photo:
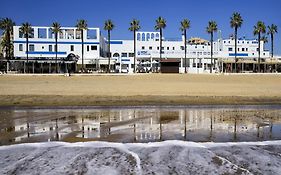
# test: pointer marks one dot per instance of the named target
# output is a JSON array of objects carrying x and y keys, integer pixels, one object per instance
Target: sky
[{"x": 121, "y": 12}]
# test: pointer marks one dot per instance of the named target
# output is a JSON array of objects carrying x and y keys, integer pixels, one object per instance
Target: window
[
  {"x": 143, "y": 37},
  {"x": 131, "y": 54},
  {"x": 42, "y": 33},
  {"x": 138, "y": 36},
  {"x": 157, "y": 36},
  {"x": 168, "y": 48},
  {"x": 50, "y": 33},
  {"x": 263, "y": 53},
  {"x": 78, "y": 34},
  {"x": 31, "y": 35},
  {"x": 88, "y": 48},
  {"x": 238, "y": 49},
  {"x": 94, "y": 47},
  {"x": 20, "y": 47},
  {"x": 224, "y": 41},
  {"x": 50, "y": 48},
  {"x": 228, "y": 42},
  {"x": 142, "y": 47},
  {"x": 182, "y": 48},
  {"x": 247, "y": 49},
  {"x": 257, "y": 49},
  {"x": 124, "y": 55},
  {"x": 162, "y": 48},
  {"x": 150, "y": 47},
  {"x": 173, "y": 48},
  {"x": 31, "y": 48},
  {"x": 248, "y": 42},
  {"x": 147, "y": 36},
  {"x": 243, "y": 49},
  {"x": 152, "y": 36},
  {"x": 61, "y": 35},
  {"x": 230, "y": 49},
  {"x": 72, "y": 48},
  {"x": 69, "y": 34},
  {"x": 21, "y": 35},
  {"x": 92, "y": 34},
  {"x": 158, "y": 48},
  {"x": 253, "y": 53}
]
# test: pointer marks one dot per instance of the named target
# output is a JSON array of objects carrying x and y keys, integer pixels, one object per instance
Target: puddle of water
[{"x": 142, "y": 124}]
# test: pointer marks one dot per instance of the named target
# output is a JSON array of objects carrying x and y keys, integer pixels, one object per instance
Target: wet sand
[{"x": 143, "y": 89}]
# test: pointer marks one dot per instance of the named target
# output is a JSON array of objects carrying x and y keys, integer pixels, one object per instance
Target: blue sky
[{"x": 67, "y": 12}]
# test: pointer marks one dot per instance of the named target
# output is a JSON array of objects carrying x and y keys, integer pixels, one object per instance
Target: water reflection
[{"x": 219, "y": 124}]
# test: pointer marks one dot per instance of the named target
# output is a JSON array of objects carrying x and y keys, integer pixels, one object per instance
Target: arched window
[
  {"x": 143, "y": 37},
  {"x": 157, "y": 36},
  {"x": 138, "y": 36},
  {"x": 116, "y": 55},
  {"x": 147, "y": 36},
  {"x": 152, "y": 36}
]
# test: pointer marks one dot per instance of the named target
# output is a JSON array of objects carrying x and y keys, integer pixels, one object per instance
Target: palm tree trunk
[
  {"x": 134, "y": 51},
  {"x": 211, "y": 69},
  {"x": 185, "y": 70},
  {"x": 109, "y": 55},
  {"x": 82, "y": 38},
  {"x": 259, "y": 60},
  {"x": 9, "y": 45},
  {"x": 235, "y": 49},
  {"x": 272, "y": 45},
  {"x": 160, "y": 44},
  {"x": 56, "y": 50},
  {"x": 8, "y": 49},
  {"x": 27, "y": 67},
  {"x": 272, "y": 53}
]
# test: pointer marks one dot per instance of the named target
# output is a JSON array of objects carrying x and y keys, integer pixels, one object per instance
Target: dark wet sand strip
[{"x": 85, "y": 100}]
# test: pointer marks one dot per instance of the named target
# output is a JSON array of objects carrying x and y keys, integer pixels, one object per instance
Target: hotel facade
[{"x": 42, "y": 52}]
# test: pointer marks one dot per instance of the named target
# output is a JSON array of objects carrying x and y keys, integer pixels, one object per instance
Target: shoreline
[{"x": 126, "y": 101}]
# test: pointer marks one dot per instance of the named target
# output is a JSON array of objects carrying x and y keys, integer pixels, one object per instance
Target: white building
[
  {"x": 42, "y": 45},
  {"x": 42, "y": 48},
  {"x": 198, "y": 55}
]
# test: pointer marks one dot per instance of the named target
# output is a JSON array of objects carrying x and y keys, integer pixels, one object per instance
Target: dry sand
[{"x": 143, "y": 89}]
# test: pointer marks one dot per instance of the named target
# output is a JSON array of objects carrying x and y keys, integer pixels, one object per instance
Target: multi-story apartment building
[{"x": 42, "y": 45}]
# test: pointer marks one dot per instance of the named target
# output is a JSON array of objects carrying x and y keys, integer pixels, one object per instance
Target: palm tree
[
  {"x": 108, "y": 25},
  {"x": 6, "y": 24},
  {"x": 160, "y": 25},
  {"x": 271, "y": 31},
  {"x": 81, "y": 26},
  {"x": 259, "y": 28},
  {"x": 56, "y": 29},
  {"x": 236, "y": 22},
  {"x": 185, "y": 24},
  {"x": 211, "y": 28},
  {"x": 134, "y": 26},
  {"x": 26, "y": 30},
  {"x": 264, "y": 39}
]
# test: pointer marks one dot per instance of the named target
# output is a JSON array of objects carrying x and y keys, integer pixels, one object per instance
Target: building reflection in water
[{"x": 141, "y": 124}]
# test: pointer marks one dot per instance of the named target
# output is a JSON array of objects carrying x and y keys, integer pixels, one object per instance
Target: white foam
[{"x": 141, "y": 158}]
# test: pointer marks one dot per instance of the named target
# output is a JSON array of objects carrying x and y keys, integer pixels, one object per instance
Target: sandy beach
[{"x": 142, "y": 89}]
